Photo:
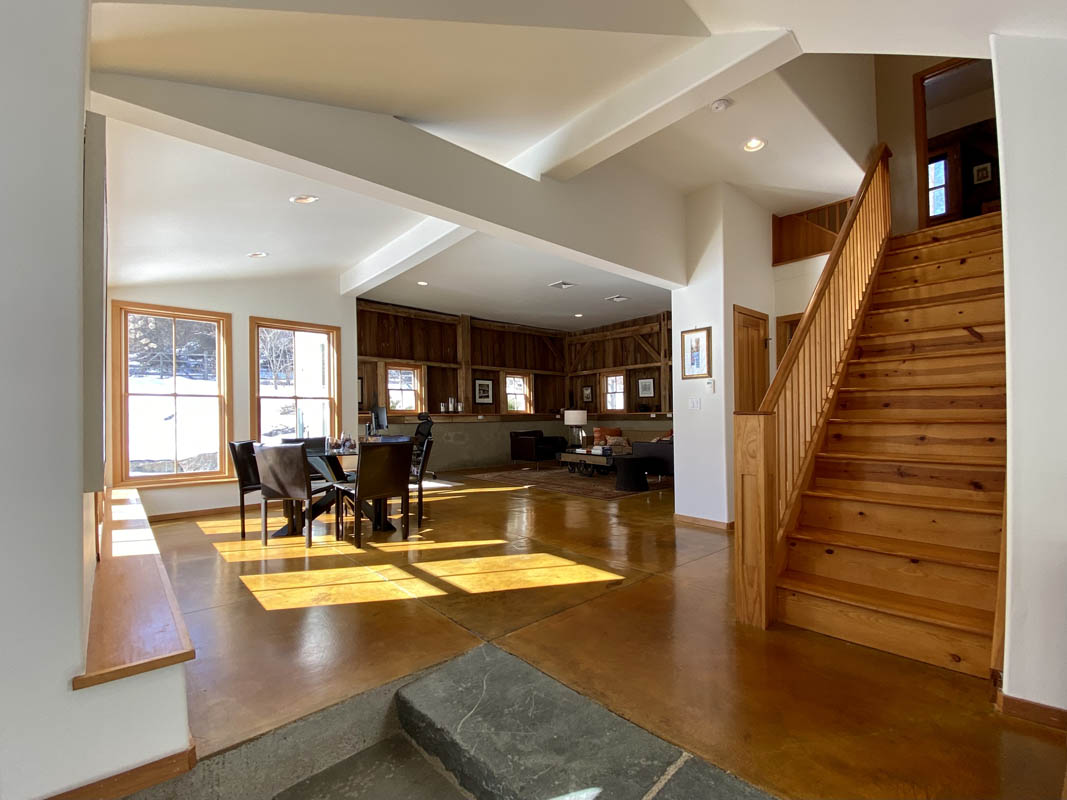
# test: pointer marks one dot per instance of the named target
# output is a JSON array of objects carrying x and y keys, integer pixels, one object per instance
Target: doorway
[
  {"x": 752, "y": 373},
  {"x": 957, "y": 159}
]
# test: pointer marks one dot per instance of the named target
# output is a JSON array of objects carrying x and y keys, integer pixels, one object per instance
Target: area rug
[{"x": 557, "y": 479}]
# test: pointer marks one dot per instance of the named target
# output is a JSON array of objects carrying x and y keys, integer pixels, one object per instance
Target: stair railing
[{"x": 775, "y": 446}]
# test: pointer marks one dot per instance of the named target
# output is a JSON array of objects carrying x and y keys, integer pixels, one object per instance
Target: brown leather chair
[
  {"x": 383, "y": 471},
  {"x": 243, "y": 455},
  {"x": 284, "y": 474}
]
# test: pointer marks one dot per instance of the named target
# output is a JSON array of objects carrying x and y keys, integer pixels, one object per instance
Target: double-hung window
[
  {"x": 518, "y": 393},
  {"x": 404, "y": 387},
  {"x": 295, "y": 379},
  {"x": 937, "y": 183},
  {"x": 172, "y": 415},
  {"x": 614, "y": 392}
]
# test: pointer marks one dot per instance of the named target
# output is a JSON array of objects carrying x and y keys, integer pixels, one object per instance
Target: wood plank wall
[
  {"x": 560, "y": 363},
  {"x": 807, "y": 233}
]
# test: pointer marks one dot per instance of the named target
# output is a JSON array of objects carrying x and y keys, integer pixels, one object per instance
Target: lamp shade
[{"x": 575, "y": 418}]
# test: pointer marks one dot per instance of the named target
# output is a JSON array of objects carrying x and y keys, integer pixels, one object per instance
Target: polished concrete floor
[{"x": 612, "y": 598}]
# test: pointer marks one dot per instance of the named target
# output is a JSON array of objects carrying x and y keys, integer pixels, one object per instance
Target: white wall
[
  {"x": 960, "y": 113},
  {"x": 728, "y": 238},
  {"x": 794, "y": 284},
  {"x": 51, "y": 737},
  {"x": 1031, "y": 116},
  {"x": 307, "y": 299},
  {"x": 896, "y": 127}
]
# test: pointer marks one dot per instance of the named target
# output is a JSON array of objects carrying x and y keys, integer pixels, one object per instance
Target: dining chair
[
  {"x": 383, "y": 471},
  {"x": 243, "y": 455},
  {"x": 418, "y": 470},
  {"x": 284, "y": 474}
]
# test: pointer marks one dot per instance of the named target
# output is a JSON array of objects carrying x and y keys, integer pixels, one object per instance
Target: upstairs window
[
  {"x": 404, "y": 384},
  {"x": 615, "y": 392},
  {"x": 937, "y": 182},
  {"x": 174, "y": 416},
  {"x": 517, "y": 390}
]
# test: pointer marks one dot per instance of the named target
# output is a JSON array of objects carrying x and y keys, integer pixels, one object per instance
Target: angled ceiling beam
[
  {"x": 422, "y": 241},
  {"x": 720, "y": 64},
  {"x": 613, "y": 220},
  {"x": 661, "y": 17}
]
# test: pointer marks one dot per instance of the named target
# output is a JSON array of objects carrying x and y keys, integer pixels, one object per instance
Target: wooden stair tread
[
  {"x": 909, "y": 501},
  {"x": 984, "y": 223},
  {"x": 932, "y": 261},
  {"x": 931, "y": 387},
  {"x": 918, "y": 421},
  {"x": 961, "y": 461},
  {"x": 936, "y": 612},
  {"x": 924, "y": 329},
  {"x": 923, "y": 551},
  {"x": 987, "y": 295},
  {"x": 971, "y": 351},
  {"x": 934, "y": 282}
]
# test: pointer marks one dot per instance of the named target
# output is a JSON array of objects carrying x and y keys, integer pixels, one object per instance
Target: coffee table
[{"x": 586, "y": 464}]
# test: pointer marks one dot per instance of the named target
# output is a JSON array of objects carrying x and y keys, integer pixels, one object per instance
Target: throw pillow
[{"x": 600, "y": 435}]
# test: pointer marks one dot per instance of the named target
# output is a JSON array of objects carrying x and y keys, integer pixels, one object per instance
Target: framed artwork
[
  {"x": 587, "y": 394},
  {"x": 646, "y": 387},
  {"x": 696, "y": 353},
  {"x": 360, "y": 392},
  {"x": 483, "y": 392},
  {"x": 983, "y": 173}
]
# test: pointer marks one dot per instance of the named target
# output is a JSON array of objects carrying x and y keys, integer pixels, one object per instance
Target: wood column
[
  {"x": 464, "y": 380},
  {"x": 665, "y": 387},
  {"x": 383, "y": 385},
  {"x": 755, "y": 517}
]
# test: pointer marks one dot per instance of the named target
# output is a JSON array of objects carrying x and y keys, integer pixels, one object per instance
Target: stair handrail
[{"x": 774, "y": 447}]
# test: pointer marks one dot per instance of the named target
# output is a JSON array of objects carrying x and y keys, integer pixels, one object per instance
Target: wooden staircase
[{"x": 896, "y": 542}]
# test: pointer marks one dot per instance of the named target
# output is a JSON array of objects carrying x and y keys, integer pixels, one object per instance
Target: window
[
  {"x": 295, "y": 380},
  {"x": 614, "y": 392},
  {"x": 517, "y": 391},
  {"x": 404, "y": 385},
  {"x": 173, "y": 415},
  {"x": 937, "y": 183}
]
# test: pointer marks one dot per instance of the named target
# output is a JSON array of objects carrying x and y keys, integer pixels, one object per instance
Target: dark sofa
[
  {"x": 659, "y": 457},
  {"x": 535, "y": 446}
]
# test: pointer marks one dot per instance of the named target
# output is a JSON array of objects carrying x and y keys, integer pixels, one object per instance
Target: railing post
[{"x": 755, "y": 517}]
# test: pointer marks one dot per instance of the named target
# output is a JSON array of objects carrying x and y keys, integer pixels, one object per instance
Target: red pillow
[{"x": 600, "y": 435}]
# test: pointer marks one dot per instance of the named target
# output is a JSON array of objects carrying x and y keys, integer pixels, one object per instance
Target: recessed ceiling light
[
  {"x": 579, "y": 315},
  {"x": 754, "y": 144},
  {"x": 562, "y": 285},
  {"x": 617, "y": 298},
  {"x": 258, "y": 254},
  {"x": 422, "y": 283},
  {"x": 304, "y": 199}
]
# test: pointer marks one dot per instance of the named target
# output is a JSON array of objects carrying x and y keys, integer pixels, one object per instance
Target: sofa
[
  {"x": 535, "y": 446},
  {"x": 659, "y": 456}
]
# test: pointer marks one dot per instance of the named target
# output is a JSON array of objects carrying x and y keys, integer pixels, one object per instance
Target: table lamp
[{"x": 575, "y": 420}]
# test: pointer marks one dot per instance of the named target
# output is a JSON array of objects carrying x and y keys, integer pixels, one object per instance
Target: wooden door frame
[
  {"x": 740, "y": 311},
  {"x": 781, "y": 326},
  {"x": 921, "y": 156}
]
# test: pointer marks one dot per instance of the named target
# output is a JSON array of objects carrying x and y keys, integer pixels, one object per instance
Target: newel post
[{"x": 755, "y": 516}]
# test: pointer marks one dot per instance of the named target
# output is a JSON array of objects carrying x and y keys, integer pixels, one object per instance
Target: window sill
[{"x": 175, "y": 483}]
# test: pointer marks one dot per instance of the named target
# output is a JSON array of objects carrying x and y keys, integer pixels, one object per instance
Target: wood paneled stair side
[{"x": 897, "y": 542}]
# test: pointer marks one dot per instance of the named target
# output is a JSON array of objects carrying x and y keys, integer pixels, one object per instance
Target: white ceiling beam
[
  {"x": 420, "y": 242},
  {"x": 717, "y": 66},
  {"x": 659, "y": 17},
  {"x": 612, "y": 221}
]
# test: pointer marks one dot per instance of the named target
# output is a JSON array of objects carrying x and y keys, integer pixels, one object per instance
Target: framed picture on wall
[
  {"x": 646, "y": 387},
  {"x": 483, "y": 392},
  {"x": 696, "y": 353},
  {"x": 587, "y": 394},
  {"x": 982, "y": 173}
]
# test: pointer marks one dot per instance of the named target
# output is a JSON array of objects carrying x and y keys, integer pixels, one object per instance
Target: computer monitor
[{"x": 379, "y": 420}]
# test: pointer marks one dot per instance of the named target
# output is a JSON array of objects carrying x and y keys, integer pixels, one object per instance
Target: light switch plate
[{"x": 694, "y": 403}]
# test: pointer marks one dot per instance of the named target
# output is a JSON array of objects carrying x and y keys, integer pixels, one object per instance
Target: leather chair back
[
  {"x": 316, "y": 444},
  {"x": 284, "y": 473},
  {"x": 418, "y": 468},
  {"x": 244, "y": 463},
  {"x": 384, "y": 469}
]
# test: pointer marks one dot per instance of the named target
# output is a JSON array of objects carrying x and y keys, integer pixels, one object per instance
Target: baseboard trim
[
  {"x": 700, "y": 522},
  {"x": 210, "y": 512},
  {"x": 1032, "y": 712},
  {"x": 134, "y": 780}
]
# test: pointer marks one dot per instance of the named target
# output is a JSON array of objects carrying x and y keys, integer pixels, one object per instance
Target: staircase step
[
  {"x": 854, "y": 473},
  {"x": 940, "y": 269},
  {"x": 507, "y": 730},
  {"x": 956, "y": 247},
  {"x": 910, "y": 438},
  {"x": 942, "y": 291},
  {"x": 951, "y": 523},
  {"x": 964, "y": 402},
  {"x": 938, "y": 340},
  {"x": 928, "y": 370},
  {"x": 935, "y": 632},
  {"x": 858, "y": 559},
  {"x": 927, "y": 316},
  {"x": 922, "y": 551},
  {"x": 947, "y": 231}
]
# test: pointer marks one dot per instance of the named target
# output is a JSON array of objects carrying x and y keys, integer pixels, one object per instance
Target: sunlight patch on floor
[
  {"x": 506, "y": 573},
  {"x": 331, "y": 587}
]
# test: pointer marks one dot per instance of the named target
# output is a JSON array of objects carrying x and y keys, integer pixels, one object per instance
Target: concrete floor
[{"x": 614, "y": 599}]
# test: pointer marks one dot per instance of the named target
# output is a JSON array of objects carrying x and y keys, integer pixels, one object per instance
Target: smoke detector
[
  {"x": 721, "y": 104},
  {"x": 617, "y": 298},
  {"x": 562, "y": 285}
]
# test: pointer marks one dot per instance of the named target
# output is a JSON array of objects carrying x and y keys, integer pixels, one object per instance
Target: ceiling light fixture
[
  {"x": 721, "y": 104},
  {"x": 579, "y": 315},
  {"x": 304, "y": 199},
  {"x": 258, "y": 254},
  {"x": 617, "y": 298},
  {"x": 562, "y": 285},
  {"x": 754, "y": 144},
  {"x": 422, "y": 283}
]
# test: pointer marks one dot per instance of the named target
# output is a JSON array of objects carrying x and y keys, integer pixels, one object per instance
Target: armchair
[{"x": 535, "y": 446}]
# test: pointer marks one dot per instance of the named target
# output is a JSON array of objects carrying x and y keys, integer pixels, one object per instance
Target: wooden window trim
[
  {"x": 119, "y": 376},
  {"x": 781, "y": 339},
  {"x": 334, "y": 334},
  {"x": 604, "y": 391},
  {"x": 420, "y": 386},
  {"x": 527, "y": 378}
]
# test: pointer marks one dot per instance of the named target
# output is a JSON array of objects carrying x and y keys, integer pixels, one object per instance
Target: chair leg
[
  {"x": 338, "y": 515},
  {"x": 263, "y": 521},
  {"x": 405, "y": 515},
  {"x": 357, "y": 511},
  {"x": 241, "y": 503},
  {"x": 307, "y": 522},
  {"x": 420, "y": 504}
]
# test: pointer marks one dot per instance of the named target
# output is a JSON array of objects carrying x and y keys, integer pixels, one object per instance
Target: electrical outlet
[{"x": 694, "y": 403}]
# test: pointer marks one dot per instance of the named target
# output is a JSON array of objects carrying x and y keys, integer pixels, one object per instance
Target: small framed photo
[
  {"x": 483, "y": 392},
  {"x": 696, "y": 353},
  {"x": 646, "y": 387},
  {"x": 587, "y": 394},
  {"x": 983, "y": 173}
]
